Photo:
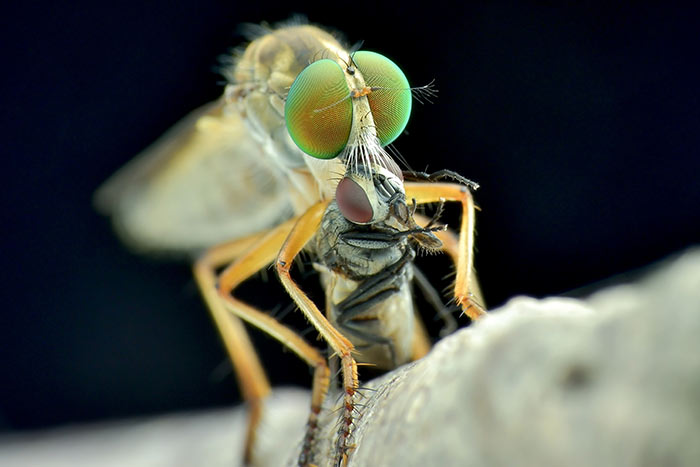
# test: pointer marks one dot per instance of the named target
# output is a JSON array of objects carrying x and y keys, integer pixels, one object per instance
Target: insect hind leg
[
  {"x": 228, "y": 313},
  {"x": 249, "y": 372}
]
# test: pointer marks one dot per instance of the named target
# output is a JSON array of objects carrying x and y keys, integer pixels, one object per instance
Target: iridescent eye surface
[
  {"x": 318, "y": 110},
  {"x": 390, "y": 99}
]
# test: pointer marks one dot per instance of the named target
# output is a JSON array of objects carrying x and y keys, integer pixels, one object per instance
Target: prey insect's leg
[
  {"x": 259, "y": 256},
  {"x": 433, "y": 298},
  {"x": 303, "y": 231},
  {"x": 435, "y": 192},
  {"x": 371, "y": 291},
  {"x": 370, "y": 288}
]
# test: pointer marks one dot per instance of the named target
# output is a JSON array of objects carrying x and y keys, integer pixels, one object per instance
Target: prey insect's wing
[{"x": 204, "y": 182}]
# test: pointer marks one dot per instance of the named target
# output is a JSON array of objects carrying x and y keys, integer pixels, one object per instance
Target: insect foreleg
[
  {"x": 303, "y": 231},
  {"x": 463, "y": 252},
  {"x": 413, "y": 176}
]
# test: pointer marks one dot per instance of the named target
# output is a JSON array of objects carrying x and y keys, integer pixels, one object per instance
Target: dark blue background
[{"x": 581, "y": 123}]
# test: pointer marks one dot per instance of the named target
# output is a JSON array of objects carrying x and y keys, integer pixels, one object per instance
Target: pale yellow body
[{"x": 229, "y": 174}]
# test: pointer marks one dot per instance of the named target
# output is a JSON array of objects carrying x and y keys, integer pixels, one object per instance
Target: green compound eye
[
  {"x": 318, "y": 110},
  {"x": 390, "y": 99}
]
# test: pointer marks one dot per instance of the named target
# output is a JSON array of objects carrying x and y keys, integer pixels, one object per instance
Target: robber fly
[{"x": 292, "y": 157}]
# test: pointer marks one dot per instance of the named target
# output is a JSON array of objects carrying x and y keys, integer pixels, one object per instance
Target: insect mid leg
[
  {"x": 257, "y": 257},
  {"x": 306, "y": 352},
  {"x": 303, "y": 231},
  {"x": 463, "y": 251}
]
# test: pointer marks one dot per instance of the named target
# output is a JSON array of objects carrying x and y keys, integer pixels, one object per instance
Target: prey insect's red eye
[{"x": 353, "y": 202}]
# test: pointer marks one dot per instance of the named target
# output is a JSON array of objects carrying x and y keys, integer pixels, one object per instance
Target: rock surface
[{"x": 612, "y": 380}]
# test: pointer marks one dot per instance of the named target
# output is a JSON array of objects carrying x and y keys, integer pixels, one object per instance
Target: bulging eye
[
  {"x": 390, "y": 99},
  {"x": 353, "y": 202},
  {"x": 318, "y": 110}
]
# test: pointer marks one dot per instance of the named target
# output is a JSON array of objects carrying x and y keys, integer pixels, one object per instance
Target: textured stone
[{"x": 612, "y": 380}]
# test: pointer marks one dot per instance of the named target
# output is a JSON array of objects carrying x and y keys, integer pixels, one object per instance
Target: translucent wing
[
  {"x": 230, "y": 168},
  {"x": 203, "y": 182}
]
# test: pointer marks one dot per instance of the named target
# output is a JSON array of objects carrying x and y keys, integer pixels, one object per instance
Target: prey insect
[{"x": 292, "y": 158}]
